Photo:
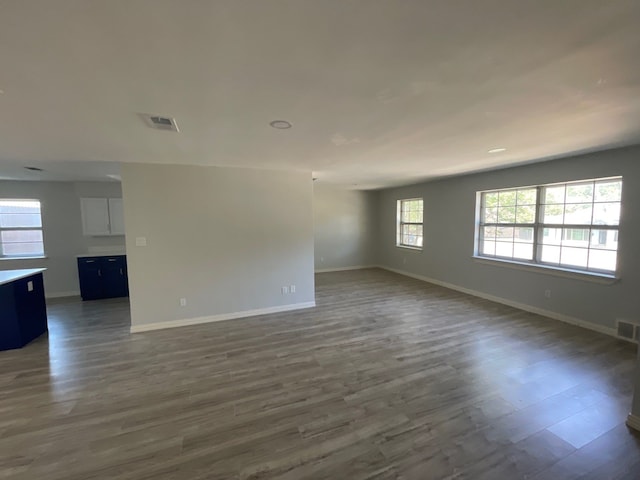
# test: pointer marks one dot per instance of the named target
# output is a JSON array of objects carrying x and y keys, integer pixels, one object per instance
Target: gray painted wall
[
  {"x": 226, "y": 239},
  {"x": 449, "y": 239},
  {"x": 62, "y": 229},
  {"x": 344, "y": 227}
]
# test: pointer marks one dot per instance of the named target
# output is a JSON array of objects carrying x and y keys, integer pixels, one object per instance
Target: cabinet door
[
  {"x": 114, "y": 280},
  {"x": 95, "y": 216},
  {"x": 90, "y": 276},
  {"x": 116, "y": 216}
]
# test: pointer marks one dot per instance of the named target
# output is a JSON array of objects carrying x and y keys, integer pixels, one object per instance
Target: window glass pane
[
  {"x": 602, "y": 260},
  {"x": 552, "y": 236},
  {"x": 550, "y": 254},
  {"x": 19, "y": 206},
  {"x": 606, "y": 213},
  {"x": 488, "y": 232},
  {"x": 490, "y": 215},
  {"x": 36, "y": 248},
  {"x": 507, "y": 198},
  {"x": 523, "y": 234},
  {"x": 527, "y": 197},
  {"x": 523, "y": 251},
  {"x": 574, "y": 257},
  {"x": 580, "y": 193},
  {"x": 19, "y": 236},
  {"x": 553, "y": 214},
  {"x": 554, "y": 194},
  {"x": 507, "y": 215},
  {"x": 526, "y": 214},
  {"x": 488, "y": 248},
  {"x": 604, "y": 239},
  {"x": 575, "y": 237},
  {"x": 20, "y": 220},
  {"x": 608, "y": 191},
  {"x": 504, "y": 249},
  {"x": 490, "y": 199},
  {"x": 578, "y": 213},
  {"x": 504, "y": 233}
]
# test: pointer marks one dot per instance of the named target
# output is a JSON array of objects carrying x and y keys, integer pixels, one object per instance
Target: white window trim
[
  {"x": 38, "y": 256},
  {"x": 603, "y": 277},
  {"x": 399, "y": 224}
]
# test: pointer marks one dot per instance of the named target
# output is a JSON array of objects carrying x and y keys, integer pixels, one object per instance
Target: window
[
  {"x": 20, "y": 229},
  {"x": 570, "y": 225},
  {"x": 410, "y": 226}
]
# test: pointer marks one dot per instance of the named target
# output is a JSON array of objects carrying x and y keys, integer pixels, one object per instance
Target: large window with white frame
[
  {"x": 571, "y": 225},
  {"x": 410, "y": 226},
  {"x": 20, "y": 228}
]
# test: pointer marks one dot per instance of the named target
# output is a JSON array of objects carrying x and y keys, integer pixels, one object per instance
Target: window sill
[
  {"x": 407, "y": 247},
  {"x": 600, "y": 278},
  {"x": 24, "y": 258}
]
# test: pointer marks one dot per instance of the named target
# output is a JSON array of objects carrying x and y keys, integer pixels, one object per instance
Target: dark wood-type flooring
[{"x": 388, "y": 378}]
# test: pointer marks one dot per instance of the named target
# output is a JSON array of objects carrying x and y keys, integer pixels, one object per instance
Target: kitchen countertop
[
  {"x": 101, "y": 254},
  {"x": 8, "y": 276}
]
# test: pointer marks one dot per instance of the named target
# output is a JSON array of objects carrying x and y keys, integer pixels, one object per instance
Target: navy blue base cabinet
[
  {"x": 23, "y": 311},
  {"x": 103, "y": 277}
]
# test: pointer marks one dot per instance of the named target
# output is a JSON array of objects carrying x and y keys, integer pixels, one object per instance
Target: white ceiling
[{"x": 380, "y": 92}]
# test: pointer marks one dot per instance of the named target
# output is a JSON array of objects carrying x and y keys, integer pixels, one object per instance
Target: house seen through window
[
  {"x": 20, "y": 228},
  {"x": 570, "y": 225}
]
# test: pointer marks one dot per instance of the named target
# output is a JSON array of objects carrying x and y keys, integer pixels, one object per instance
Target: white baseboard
[
  {"x": 520, "y": 306},
  {"x": 343, "y": 269},
  {"x": 72, "y": 293},
  {"x": 633, "y": 421},
  {"x": 221, "y": 317}
]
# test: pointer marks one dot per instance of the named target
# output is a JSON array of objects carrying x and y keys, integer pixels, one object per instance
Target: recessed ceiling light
[
  {"x": 280, "y": 124},
  {"x": 34, "y": 169},
  {"x": 497, "y": 150}
]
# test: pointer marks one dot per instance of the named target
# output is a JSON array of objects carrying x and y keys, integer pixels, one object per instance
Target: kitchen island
[{"x": 23, "y": 310}]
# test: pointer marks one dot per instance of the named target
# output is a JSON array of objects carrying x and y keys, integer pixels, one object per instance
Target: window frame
[
  {"x": 23, "y": 256},
  {"x": 539, "y": 227},
  {"x": 400, "y": 223}
]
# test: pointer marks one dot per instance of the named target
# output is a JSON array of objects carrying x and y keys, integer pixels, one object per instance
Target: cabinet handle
[
  {"x": 89, "y": 261},
  {"x": 121, "y": 272},
  {"x": 99, "y": 272},
  {"x": 113, "y": 259}
]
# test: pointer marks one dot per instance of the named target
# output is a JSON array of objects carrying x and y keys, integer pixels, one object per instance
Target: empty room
[{"x": 319, "y": 239}]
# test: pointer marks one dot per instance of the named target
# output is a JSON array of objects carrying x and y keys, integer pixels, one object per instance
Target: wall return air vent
[
  {"x": 160, "y": 122},
  {"x": 628, "y": 330}
]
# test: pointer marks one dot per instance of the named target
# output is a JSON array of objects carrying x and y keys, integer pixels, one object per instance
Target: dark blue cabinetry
[
  {"x": 23, "y": 311},
  {"x": 103, "y": 277}
]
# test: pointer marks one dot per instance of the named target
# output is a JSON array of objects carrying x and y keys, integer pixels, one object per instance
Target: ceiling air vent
[{"x": 160, "y": 123}]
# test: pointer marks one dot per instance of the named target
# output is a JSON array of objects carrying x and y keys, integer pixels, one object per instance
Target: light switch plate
[{"x": 141, "y": 241}]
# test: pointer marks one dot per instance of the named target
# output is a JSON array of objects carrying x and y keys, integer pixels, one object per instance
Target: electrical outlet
[
  {"x": 285, "y": 290},
  {"x": 321, "y": 259},
  {"x": 183, "y": 302},
  {"x": 292, "y": 289},
  {"x": 547, "y": 293}
]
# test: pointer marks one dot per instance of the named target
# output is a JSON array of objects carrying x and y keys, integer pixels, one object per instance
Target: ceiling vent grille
[{"x": 160, "y": 123}]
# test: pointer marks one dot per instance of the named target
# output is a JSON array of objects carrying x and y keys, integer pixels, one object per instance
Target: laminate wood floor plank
[{"x": 387, "y": 378}]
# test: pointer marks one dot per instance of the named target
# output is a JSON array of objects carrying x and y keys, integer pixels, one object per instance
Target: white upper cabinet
[
  {"x": 102, "y": 216},
  {"x": 116, "y": 216}
]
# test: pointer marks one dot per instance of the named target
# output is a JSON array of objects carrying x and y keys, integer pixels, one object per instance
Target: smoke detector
[{"x": 160, "y": 122}]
